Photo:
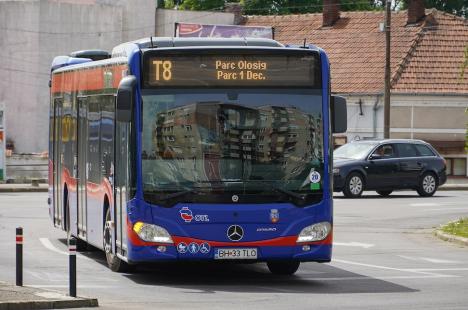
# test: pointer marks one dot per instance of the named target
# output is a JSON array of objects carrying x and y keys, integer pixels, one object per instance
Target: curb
[
  {"x": 451, "y": 238},
  {"x": 23, "y": 189},
  {"x": 49, "y": 304}
]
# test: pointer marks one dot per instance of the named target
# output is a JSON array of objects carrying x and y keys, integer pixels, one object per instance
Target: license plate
[{"x": 236, "y": 253}]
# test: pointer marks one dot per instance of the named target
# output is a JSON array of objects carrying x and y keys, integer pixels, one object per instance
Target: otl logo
[{"x": 186, "y": 214}]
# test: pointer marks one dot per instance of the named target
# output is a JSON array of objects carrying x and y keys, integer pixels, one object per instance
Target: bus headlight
[
  {"x": 152, "y": 233},
  {"x": 314, "y": 232}
]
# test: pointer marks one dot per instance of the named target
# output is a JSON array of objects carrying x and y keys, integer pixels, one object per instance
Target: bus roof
[
  {"x": 164, "y": 42},
  {"x": 126, "y": 49}
]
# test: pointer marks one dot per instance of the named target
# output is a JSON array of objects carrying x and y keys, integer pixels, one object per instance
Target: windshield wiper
[
  {"x": 289, "y": 193},
  {"x": 178, "y": 194}
]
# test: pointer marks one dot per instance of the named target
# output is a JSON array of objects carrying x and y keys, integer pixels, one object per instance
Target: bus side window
[
  {"x": 93, "y": 171},
  {"x": 107, "y": 136}
]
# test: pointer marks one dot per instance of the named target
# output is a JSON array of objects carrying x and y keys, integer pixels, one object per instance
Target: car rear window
[
  {"x": 424, "y": 150},
  {"x": 406, "y": 150}
]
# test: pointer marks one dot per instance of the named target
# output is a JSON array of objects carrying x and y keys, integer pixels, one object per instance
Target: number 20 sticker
[{"x": 314, "y": 177}]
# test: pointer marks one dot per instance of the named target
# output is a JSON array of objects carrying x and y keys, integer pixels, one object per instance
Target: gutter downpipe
[{"x": 375, "y": 108}]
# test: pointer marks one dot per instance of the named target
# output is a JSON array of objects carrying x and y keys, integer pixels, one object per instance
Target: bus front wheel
[
  {"x": 114, "y": 263},
  {"x": 283, "y": 267}
]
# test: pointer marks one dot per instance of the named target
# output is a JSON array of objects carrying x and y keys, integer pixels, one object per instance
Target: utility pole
[{"x": 387, "y": 70}]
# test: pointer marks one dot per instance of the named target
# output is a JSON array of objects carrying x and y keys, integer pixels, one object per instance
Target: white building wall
[
  {"x": 440, "y": 118},
  {"x": 32, "y": 33},
  {"x": 365, "y": 116},
  {"x": 166, "y": 19},
  {"x": 427, "y": 117}
]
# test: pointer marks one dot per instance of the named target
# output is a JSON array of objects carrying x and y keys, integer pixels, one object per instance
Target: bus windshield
[{"x": 208, "y": 145}]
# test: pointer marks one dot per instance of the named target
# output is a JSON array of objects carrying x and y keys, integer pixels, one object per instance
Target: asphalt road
[{"x": 385, "y": 257}]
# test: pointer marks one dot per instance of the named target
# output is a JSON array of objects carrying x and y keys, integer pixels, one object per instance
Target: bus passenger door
[
  {"x": 82, "y": 152},
  {"x": 121, "y": 188},
  {"x": 58, "y": 190},
  {"x": 107, "y": 133}
]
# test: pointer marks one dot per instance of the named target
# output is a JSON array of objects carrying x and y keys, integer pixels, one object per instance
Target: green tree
[
  {"x": 457, "y": 7},
  {"x": 202, "y": 5}
]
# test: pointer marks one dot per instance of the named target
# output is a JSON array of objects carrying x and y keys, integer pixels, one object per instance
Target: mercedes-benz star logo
[{"x": 235, "y": 233}]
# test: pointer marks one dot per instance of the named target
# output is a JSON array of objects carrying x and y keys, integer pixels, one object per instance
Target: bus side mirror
[
  {"x": 125, "y": 98},
  {"x": 339, "y": 114}
]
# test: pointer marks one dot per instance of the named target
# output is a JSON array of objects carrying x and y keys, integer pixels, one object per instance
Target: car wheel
[
  {"x": 384, "y": 193},
  {"x": 427, "y": 185},
  {"x": 283, "y": 267},
  {"x": 114, "y": 263},
  {"x": 354, "y": 185}
]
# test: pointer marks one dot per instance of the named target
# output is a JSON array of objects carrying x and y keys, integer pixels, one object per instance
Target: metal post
[
  {"x": 387, "y": 71},
  {"x": 72, "y": 267},
  {"x": 19, "y": 256}
]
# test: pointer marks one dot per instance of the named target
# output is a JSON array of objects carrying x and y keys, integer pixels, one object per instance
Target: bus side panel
[
  {"x": 99, "y": 164},
  {"x": 51, "y": 160},
  {"x": 327, "y": 210},
  {"x": 68, "y": 159},
  {"x": 57, "y": 175},
  {"x": 95, "y": 197}
]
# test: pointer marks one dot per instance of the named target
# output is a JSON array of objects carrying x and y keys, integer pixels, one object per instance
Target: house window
[{"x": 456, "y": 166}]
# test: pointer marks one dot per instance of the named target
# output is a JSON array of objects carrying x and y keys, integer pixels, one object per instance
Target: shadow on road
[
  {"x": 311, "y": 278},
  {"x": 210, "y": 277}
]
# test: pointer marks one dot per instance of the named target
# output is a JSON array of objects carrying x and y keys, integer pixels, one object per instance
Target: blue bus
[{"x": 195, "y": 149}]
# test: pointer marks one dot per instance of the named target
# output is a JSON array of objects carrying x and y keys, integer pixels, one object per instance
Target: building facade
[{"x": 429, "y": 92}]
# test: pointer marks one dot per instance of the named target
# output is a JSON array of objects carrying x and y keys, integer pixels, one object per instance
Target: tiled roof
[{"x": 426, "y": 58}]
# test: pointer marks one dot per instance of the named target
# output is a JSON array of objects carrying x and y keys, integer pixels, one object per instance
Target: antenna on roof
[
  {"x": 305, "y": 41},
  {"x": 151, "y": 40}
]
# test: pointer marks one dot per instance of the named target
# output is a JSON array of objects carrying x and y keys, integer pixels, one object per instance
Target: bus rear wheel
[
  {"x": 114, "y": 263},
  {"x": 283, "y": 267}
]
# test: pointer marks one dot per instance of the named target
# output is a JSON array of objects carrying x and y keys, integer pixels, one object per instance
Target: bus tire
[
  {"x": 113, "y": 262},
  {"x": 283, "y": 267}
]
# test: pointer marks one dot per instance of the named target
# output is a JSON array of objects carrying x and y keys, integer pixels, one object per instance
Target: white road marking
[
  {"x": 431, "y": 260},
  {"x": 385, "y": 277},
  {"x": 446, "y": 209},
  {"x": 427, "y": 204},
  {"x": 390, "y": 268},
  {"x": 48, "y": 245},
  {"x": 354, "y": 244},
  {"x": 442, "y": 269},
  {"x": 440, "y": 261}
]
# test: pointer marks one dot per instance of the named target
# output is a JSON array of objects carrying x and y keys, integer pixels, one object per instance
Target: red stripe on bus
[
  {"x": 280, "y": 241},
  {"x": 87, "y": 79}
]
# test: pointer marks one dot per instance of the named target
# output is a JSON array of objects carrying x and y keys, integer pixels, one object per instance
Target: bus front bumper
[{"x": 300, "y": 252}]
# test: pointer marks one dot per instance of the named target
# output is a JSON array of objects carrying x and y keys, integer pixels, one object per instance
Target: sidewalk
[{"x": 23, "y": 297}]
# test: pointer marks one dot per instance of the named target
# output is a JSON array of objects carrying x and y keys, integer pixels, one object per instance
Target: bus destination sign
[{"x": 232, "y": 71}]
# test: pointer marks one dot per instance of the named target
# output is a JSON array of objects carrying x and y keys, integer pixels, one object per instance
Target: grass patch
[{"x": 457, "y": 228}]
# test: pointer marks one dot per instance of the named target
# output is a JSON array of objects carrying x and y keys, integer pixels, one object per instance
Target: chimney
[
  {"x": 415, "y": 11},
  {"x": 331, "y": 12},
  {"x": 237, "y": 9}
]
